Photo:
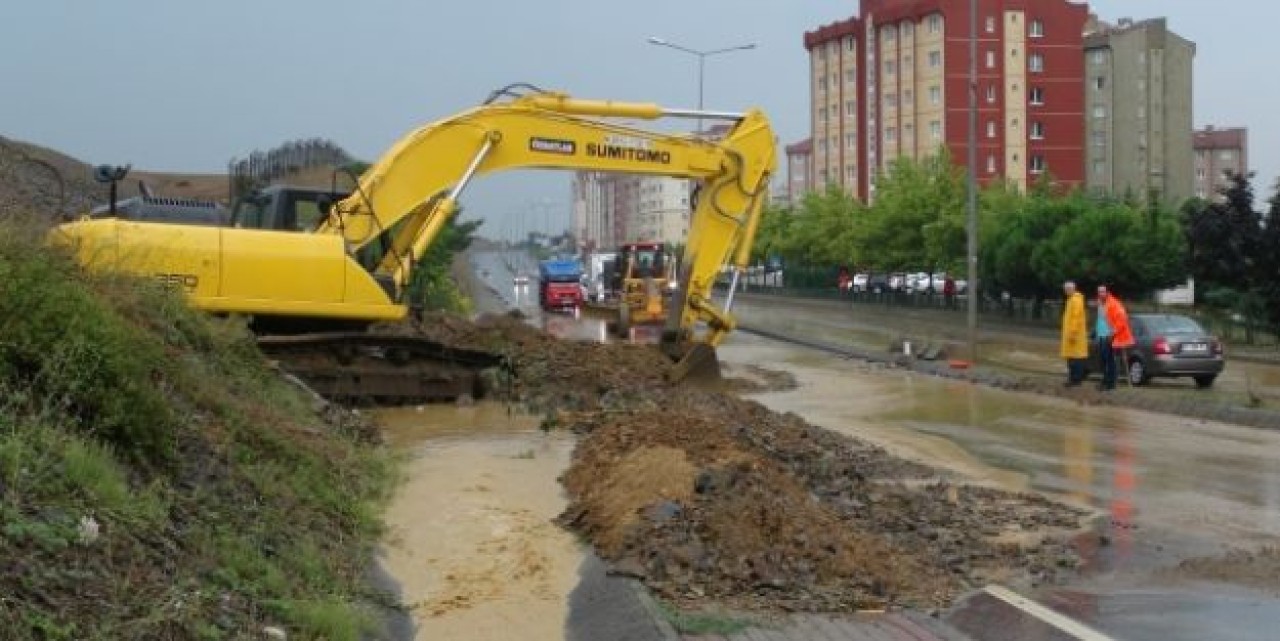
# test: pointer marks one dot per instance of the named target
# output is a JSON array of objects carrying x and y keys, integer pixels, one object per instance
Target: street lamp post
[
  {"x": 973, "y": 185},
  {"x": 702, "y": 61}
]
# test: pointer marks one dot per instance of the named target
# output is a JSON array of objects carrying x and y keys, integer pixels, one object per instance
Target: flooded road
[
  {"x": 1166, "y": 488},
  {"x": 471, "y": 540}
]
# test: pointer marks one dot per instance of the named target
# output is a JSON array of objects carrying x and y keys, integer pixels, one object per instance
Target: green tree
[
  {"x": 918, "y": 216},
  {"x": 432, "y": 285}
]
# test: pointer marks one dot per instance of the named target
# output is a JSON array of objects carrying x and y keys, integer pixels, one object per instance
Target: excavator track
[{"x": 361, "y": 368}]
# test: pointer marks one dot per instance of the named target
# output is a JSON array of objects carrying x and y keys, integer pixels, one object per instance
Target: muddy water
[{"x": 471, "y": 541}]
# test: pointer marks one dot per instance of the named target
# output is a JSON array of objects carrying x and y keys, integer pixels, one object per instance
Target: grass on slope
[{"x": 158, "y": 481}]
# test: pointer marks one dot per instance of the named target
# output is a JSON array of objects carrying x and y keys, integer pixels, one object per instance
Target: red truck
[{"x": 560, "y": 284}]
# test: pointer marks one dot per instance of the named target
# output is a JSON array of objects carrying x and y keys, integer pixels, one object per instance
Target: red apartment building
[{"x": 893, "y": 81}]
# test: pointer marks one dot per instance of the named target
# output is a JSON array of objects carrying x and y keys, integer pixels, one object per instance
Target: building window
[
  {"x": 1099, "y": 57},
  {"x": 851, "y": 171},
  {"x": 908, "y": 132},
  {"x": 935, "y": 23},
  {"x": 1099, "y": 111},
  {"x": 822, "y": 145},
  {"x": 890, "y": 67},
  {"x": 935, "y": 130},
  {"x": 851, "y": 76},
  {"x": 1200, "y": 173},
  {"x": 935, "y": 59},
  {"x": 935, "y": 95},
  {"x": 991, "y": 59},
  {"x": 822, "y": 114},
  {"x": 1099, "y": 139},
  {"x": 890, "y": 100},
  {"x": 1100, "y": 83},
  {"x": 1036, "y": 29},
  {"x": 822, "y": 83},
  {"x": 822, "y": 176},
  {"x": 850, "y": 108},
  {"x": 890, "y": 134},
  {"x": 1015, "y": 124},
  {"x": 991, "y": 164},
  {"x": 1099, "y": 167},
  {"x": 1035, "y": 62},
  {"x": 906, "y": 29},
  {"x": 889, "y": 33},
  {"x": 851, "y": 141},
  {"x": 991, "y": 129},
  {"x": 1226, "y": 156},
  {"x": 991, "y": 24},
  {"x": 1037, "y": 130},
  {"x": 991, "y": 94},
  {"x": 849, "y": 43},
  {"x": 1037, "y": 164},
  {"x": 1013, "y": 53},
  {"x": 908, "y": 98},
  {"x": 1037, "y": 95}
]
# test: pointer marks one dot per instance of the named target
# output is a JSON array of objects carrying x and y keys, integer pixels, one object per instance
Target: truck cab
[{"x": 559, "y": 285}]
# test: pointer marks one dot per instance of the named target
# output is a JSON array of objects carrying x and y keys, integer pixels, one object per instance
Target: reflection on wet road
[{"x": 1166, "y": 488}]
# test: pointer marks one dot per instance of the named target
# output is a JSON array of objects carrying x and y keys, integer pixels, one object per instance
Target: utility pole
[{"x": 973, "y": 183}]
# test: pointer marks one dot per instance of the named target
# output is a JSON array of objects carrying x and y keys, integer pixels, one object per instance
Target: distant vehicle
[
  {"x": 897, "y": 282},
  {"x": 560, "y": 284},
  {"x": 878, "y": 283},
  {"x": 1168, "y": 345},
  {"x": 860, "y": 282}
]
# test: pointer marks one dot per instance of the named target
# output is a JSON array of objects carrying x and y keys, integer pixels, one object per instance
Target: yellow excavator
[{"x": 318, "y": 268}]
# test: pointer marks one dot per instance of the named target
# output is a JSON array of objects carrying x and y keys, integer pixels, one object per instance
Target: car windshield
[{"x": 1173, "y": 325}]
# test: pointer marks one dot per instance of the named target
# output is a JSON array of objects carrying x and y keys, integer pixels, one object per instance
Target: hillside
[
  {"x": 159, "y": 481},
  {"x": 37, "y": 179}
]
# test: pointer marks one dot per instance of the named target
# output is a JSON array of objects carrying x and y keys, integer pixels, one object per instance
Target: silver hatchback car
[{"x": 1167, "y": 345}]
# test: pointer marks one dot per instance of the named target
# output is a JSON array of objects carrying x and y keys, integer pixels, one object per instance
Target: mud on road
[{"x": 714, "y": 500}]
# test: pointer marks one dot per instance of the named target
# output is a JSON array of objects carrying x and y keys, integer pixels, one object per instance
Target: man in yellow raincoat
[{"x": 1075, "y": 338}]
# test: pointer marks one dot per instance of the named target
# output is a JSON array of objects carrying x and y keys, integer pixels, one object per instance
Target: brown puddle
[{"x": 470, "y": 539}]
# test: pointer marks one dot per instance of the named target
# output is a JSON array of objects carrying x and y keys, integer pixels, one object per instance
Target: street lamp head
[
  {"x": 749, "y": 45},
  {"x": 654, "y": 40}
]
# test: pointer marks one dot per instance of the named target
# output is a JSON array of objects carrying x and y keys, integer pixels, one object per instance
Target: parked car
[
  {"x": 860, "y": 282},
  {"x": 1168, "y": 345},
  {"x": 878, "y": 283},
  {"x": 897, "y": 282}
]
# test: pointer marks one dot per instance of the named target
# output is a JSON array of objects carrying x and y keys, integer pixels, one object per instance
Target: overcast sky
[{"x": 184, "y": 86}]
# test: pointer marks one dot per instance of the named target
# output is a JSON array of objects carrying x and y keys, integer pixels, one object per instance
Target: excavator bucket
[{"x": 698, "y": 365}]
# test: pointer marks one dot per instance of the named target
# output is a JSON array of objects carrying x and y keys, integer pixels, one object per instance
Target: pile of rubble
[{"x": 710, "y": 498}]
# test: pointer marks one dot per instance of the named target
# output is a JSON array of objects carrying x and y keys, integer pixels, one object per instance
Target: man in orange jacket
[{"x": 1112, "y": 333}]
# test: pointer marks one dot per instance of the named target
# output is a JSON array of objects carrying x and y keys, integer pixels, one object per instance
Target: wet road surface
[{"x": 1166, "y": 488}]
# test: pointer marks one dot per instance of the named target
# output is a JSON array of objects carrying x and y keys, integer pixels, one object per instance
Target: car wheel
[
  {"x": 1138, "y": 372},
  {"x": 1205, "y": 381}
]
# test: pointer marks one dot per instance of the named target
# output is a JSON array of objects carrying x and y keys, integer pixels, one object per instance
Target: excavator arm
[{"x": 414, "y": 189}]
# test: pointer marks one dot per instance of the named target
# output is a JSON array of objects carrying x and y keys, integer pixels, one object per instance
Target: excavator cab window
[{"x": 252, "y": 211}]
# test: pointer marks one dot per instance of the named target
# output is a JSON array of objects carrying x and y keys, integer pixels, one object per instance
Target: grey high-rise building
[{"x": 1138, "y": 114}]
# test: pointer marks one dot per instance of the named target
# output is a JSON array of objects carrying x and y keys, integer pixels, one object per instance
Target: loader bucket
[{"x": 698, "y": 365}]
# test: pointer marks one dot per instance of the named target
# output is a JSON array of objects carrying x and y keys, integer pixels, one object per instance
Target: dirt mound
[
  {"x": 784, "y": 515},
  {"x": 551, "y": 374},
  {"x": 714, "y": 499}
]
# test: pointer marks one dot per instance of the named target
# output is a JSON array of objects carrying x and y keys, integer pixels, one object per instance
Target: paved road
[{"x": 1170, "y": 488}]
